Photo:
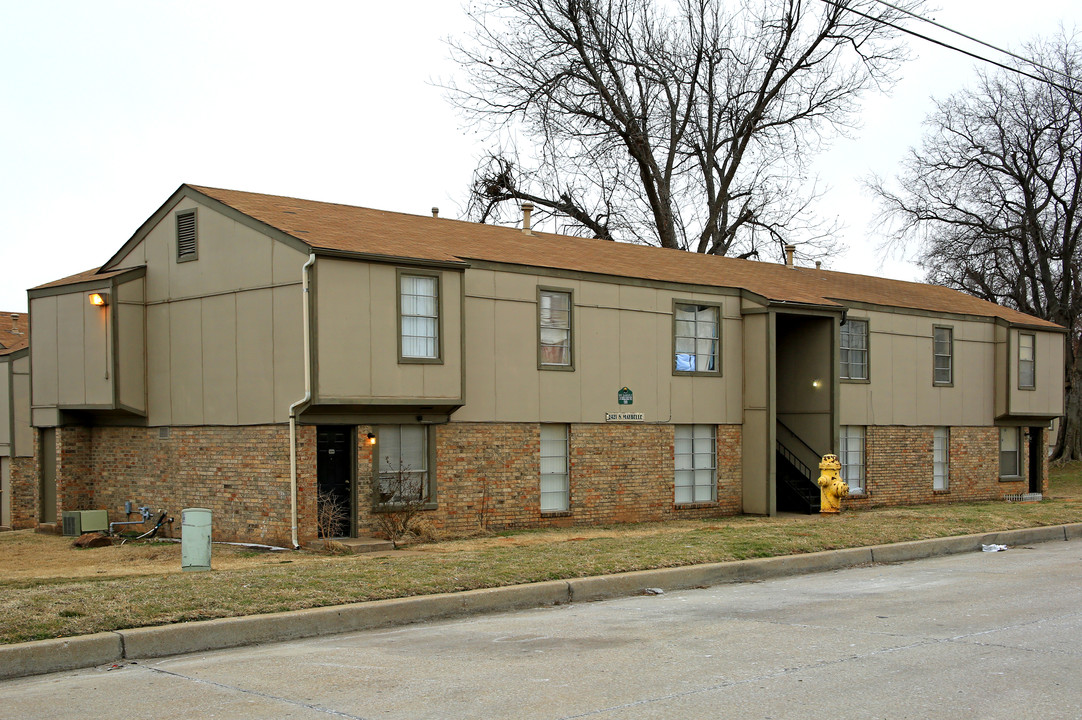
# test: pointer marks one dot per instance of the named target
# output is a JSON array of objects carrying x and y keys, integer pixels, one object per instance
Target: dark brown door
[{"x": 334, "y": 473}]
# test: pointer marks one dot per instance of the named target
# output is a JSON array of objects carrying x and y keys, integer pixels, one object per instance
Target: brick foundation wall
[
  {"x": 898, "y": 467},
  {"x": 488, "y": 477},
  {"x": 241, "y": 474},
  {"x": 24, "y": 489}
]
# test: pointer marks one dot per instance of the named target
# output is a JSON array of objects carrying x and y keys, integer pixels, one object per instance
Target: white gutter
[{"x": 307, "y": 396}]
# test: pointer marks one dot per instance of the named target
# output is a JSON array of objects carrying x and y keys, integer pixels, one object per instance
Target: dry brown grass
[{"x": 50, "y": 589}]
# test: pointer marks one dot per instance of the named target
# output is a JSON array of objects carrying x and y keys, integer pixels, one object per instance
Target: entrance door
[
  {"x": 334, "y": 472},
  {"x": 1036, "y": 459},
  {"x": 47, "y": 479}
]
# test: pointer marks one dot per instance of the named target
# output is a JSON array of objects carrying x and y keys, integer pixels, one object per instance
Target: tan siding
[
  {"x": 1046, "y": 398},
  {"x": 22, "y": 433},
  {"x": 45, "y": 356},
  {"x": 6, "y": 400},
  {"x": 219, "y": 357},
  {"x": 255, "y": 360},
  {"x": 622, "y": 337},
  {"x": 901, "y": 391},
  {"x": 357, "y": 337},
  {"x": 288, "y": 350},
  {"x": 159, "y": 365},
  {"x": 186, "y": 362},
  {"x": 131, "y": 345}
]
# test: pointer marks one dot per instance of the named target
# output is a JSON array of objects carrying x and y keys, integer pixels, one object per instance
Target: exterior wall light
[
  {"x": 817, "y": 384},
  {"x": 371, "y": 438},
  {"x": 98, "y": 299}
]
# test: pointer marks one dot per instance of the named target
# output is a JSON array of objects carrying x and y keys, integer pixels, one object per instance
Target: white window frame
[
  {"x": 390, "y": 462},
  {"x": 1027, "y": 361},
  {"x": 851, "y": 455},
  {"x": 555, "y": 483},
  {"x": 696, "y": 339},
  {"x": 941, "y": 459},
  {"x": 850, "y": 370},
  {"x": 418, "y": 317},
  {"x": 1010, "y": 459},
  {"x": 942, "y": 355},
  {"x": 554, "y": 328},
  {"x": 695, "y": 461}
]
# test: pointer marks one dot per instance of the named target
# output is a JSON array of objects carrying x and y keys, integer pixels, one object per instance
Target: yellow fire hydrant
[{"x": 831, "y": 486}]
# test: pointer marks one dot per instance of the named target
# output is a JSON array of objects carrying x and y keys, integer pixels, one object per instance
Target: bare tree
[
  {"x": 993, "y": 199},
  {"x": 687, "y": 124}
]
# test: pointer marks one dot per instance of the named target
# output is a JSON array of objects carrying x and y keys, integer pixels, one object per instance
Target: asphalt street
[{"x": 976, "y": 635}]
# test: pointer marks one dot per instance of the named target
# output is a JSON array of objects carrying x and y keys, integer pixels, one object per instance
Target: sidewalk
[{"x": 46, "y": 656}]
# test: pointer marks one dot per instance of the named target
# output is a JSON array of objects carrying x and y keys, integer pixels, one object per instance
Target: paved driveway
[{"x": 980, "y": 635}]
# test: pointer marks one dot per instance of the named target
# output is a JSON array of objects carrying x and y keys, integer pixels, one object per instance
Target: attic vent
[{"x": 187, "y": 249}]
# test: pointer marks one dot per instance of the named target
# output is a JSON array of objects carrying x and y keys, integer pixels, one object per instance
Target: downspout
[{"x": 307, "y": 396}]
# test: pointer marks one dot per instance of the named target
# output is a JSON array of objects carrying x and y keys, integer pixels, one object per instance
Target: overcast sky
[{"x": 107, "y": 107}]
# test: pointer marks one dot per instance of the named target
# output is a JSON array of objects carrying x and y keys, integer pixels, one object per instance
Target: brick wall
[
  {"x": 898, "y": 467},
  {"x": 488, "y": 476},
  {"x": 24, "y": 489},
  {"x": 241, "y": 474}
]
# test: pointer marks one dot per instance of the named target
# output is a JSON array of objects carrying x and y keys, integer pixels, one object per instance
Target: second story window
[
  {"x": 419, "y": 320},
  {"x": 942, "y": 355},
  {"x": 554, "y": 328},
  {"x": 854, "y": 350},
  {"x": 1027, "y": 361},
  {"x": 695, "y": 337}
]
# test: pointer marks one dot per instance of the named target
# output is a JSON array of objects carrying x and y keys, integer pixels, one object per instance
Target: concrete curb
[{"x": 46, "y": 656}]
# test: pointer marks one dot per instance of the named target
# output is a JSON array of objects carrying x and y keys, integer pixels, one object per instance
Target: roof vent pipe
[
  {"x": 818, "y": 264},
  {"x": 527, "y": 208},
  {"x": 435, "y": 212},
  {"x": 789, "y": 250}
]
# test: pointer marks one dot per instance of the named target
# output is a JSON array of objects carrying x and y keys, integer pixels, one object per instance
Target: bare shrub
[{"x": 397, "y": 497}]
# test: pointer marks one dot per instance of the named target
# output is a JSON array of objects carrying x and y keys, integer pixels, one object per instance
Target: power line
[
  {"x": 930, "y": 21},
  {"x": 941, "y": 43}
]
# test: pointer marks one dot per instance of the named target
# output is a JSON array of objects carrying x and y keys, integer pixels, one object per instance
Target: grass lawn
[{"x": 50, "y": 589}]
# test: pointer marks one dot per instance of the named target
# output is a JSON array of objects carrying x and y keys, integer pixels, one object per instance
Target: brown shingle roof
[
  {"x": 13, "y": 331},
  {"x": 354, "y": 229}
]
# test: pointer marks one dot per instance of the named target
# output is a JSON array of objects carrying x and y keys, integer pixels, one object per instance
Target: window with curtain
[
  {"x": 403, "y": 463},
  {"x": 419, "y": 316},
  {"x": 854, "y": 350},
  {"x": 851, "y": 456},
  {"x": 1009, "y": 455},
  {"x": 695, "y": 334},
  {"x": 695, "y": 460},
  {"x": 555, "y": 488},
  {"x": 554, "y": 328}
]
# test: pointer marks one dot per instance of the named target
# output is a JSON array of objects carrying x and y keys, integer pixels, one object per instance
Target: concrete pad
[{"x": 46, "y": 656}]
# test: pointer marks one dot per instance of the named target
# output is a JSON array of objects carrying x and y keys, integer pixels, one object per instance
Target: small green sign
[{"x": 624, "y": 396}]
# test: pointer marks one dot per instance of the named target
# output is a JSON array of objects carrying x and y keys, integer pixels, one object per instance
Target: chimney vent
[
  {"x": 527, "y": 208},
  {"x": 789, "y": 250},
  {"x": 818, "y": 264},
  {"x": 435, "y": 212}
]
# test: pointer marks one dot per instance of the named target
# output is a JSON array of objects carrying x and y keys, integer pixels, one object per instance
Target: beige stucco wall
[
  {"x": 356, "y": 337},
  {"x": 900, "y": 389},
  {"x": 622, "y": 337}
]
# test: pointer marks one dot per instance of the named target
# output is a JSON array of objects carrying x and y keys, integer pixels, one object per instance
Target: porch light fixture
[
  {"x": 98, "y": 299},
  {"x": 817, "y": 384},
  {"x": 371, "y": 438}
]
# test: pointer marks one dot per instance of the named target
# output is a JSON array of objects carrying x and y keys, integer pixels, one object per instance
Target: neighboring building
[
  {"x": 523, "y": 379},
  {"x": 17, "y": 476}
]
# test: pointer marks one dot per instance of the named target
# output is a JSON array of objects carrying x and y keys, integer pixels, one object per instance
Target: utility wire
[
  {"x": 1038, "y": 78},
  {"x": 930, "y": 21}
]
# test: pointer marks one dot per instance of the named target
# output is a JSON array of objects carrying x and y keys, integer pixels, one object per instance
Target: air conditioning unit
[{"x": 77, "y": 522}]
